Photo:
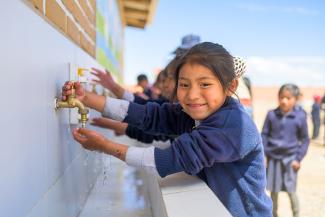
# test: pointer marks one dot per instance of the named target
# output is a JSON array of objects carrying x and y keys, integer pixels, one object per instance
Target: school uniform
[
  {"x": 285, "y": 139},
  {"x": 134, "y": 132},
  {"x": 225, "y": 150}
]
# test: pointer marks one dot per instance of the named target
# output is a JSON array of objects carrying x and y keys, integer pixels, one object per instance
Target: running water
[{"x": 107, "y": 162}]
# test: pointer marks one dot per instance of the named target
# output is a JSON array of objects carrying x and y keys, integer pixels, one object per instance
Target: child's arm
[
  {"x": 96, "y": 142},
  {"x": 106, "y": 80},
  {"x": 118, "y": 127},
  {"x": 168, "y": 119},
  {"x": 135, "y": 133}
]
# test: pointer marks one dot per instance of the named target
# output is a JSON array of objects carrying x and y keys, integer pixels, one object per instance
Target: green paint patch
[
  {"x": 100, "y": 23},
  {"x": 104, "y": 61}
]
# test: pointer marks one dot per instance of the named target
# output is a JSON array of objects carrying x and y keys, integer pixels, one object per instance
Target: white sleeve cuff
[
  {"x": 141, "y": 157},
  {"x": 116, "y": 109},
  {"x": 127, "y": 95},
  {"x": 161, "y": 144}
]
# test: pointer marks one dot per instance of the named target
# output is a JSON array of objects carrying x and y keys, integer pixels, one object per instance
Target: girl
[
  {"x": 169, "y": 83},
  {"x": 285, "y": 139},
  {"x": 218, "y": 141}
]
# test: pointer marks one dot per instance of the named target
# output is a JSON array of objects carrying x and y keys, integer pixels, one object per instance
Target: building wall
[
  {"x": 74, "y": 18},
  {"x": 44, "y": 172}
]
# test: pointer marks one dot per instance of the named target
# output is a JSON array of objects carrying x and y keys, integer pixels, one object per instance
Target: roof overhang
[{"x": 137, "y": 13}]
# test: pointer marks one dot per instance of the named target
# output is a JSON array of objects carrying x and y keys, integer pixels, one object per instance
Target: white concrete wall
[{"x": 43, "y": 170}]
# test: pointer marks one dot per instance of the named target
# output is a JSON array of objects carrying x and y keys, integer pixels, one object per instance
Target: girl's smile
[{"x": 199, "y": 91}]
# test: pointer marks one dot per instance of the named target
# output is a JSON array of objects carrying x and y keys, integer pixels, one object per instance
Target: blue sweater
[
  {"x": 225, "y": 151},
  {"x": 135, "y": 133},
  {"x": 285, "y": 135}
]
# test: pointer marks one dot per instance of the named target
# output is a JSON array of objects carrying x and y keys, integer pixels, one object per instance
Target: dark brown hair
[{"x": 213, "y": 56}]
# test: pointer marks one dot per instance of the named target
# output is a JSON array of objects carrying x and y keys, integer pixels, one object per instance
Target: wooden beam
[
  {"x": 143, "y": 6},
  {"x": 135, "y": 23},
  {"x": 152, "y": 11},
  {"x": 136, "y": 15}
]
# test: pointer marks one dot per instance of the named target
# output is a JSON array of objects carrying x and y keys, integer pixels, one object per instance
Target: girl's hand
[
  {"x": 89, "y": 139},
  {"x": 119, "y": 128},
  {"x": 67, "y": 90},
  {"x": 104, "y": 78},
  {"x": 295, "y": 165}
]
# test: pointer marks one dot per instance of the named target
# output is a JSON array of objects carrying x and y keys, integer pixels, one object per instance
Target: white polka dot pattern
[{"x": 240, "y": 66}]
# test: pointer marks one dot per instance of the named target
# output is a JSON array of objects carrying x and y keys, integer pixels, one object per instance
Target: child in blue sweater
[
  {"x": 169, "y": 83},
  {"x": 285, "y": 139},
  {"x": 218, "y": 142}
]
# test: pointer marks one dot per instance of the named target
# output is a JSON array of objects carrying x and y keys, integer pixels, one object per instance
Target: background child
[
  {"x": 315, "y": 116},
  {"x": 218, "y": 141},
  {"x": 285, "y": 139}
]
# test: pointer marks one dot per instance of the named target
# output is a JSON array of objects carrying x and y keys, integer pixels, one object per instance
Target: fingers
[
  {"x": 78, "y": 136},
  {"x": 97, "y": 72},
  {"x": 95, "y": 81},
  {"x": 100, "y": 122},
  {"x": 84, "y": 131},
  {"x": 66, "y": 89},
  {"x": 68, "y": 83},
  {"x": 108, "y": 72},
  {"x": 67, "y": 92},
  {"x": 79, "y": 89},
  {"x": 95, "y": 122},
  {"x": 77, "y": 84}
]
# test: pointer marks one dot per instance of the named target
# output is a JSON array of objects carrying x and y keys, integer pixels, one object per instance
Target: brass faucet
[{"x": 73, "y": 102}]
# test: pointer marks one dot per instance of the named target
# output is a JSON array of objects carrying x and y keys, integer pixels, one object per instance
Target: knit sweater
[
  {"x": 285, "y": 134},
  {"x": 225, "y": 151}
]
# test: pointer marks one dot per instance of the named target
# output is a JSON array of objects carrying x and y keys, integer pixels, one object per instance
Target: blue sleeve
[
  {"x": 207, "y": 145},
  {"x": 136, "y": 133},
  {"x": 303, "y": 138},
  {"x": 167, "y": 119},
  {"x": 266, "y": 131},
  {"x": 141, "y": 101}
]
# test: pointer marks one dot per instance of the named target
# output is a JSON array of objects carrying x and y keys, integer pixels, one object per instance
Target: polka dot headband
[{"x": 240, "y": 66}]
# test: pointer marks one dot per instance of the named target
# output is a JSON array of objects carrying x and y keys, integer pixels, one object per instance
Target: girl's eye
[
  {"x": 183, "y": 85},
  {"x": 205, "y": 85}
]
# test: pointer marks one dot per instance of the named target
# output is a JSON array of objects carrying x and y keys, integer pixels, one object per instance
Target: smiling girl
[{"x": 218, "y": 141}]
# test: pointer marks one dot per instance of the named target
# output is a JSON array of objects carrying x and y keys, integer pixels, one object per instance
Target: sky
[{"x": 281, "y": 40}]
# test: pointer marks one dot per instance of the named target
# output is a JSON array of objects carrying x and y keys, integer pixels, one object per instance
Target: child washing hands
[{"x": 218, "y": 141}]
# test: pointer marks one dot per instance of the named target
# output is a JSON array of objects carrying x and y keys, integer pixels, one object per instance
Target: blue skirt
[{"x": 280, "y": 175}]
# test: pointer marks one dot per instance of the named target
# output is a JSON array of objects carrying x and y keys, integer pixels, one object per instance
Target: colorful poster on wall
[{"x": 109, "y": 37}]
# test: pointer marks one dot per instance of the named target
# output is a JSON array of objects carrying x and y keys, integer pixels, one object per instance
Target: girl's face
[
  {"x": 199, "y": 91},
  {"x": 286, "y": 101}
]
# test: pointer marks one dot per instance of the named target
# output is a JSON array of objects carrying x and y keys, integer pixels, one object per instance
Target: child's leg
[
  {"x": 274, "y": 197},
  {"x": 294, "y": 203}
]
